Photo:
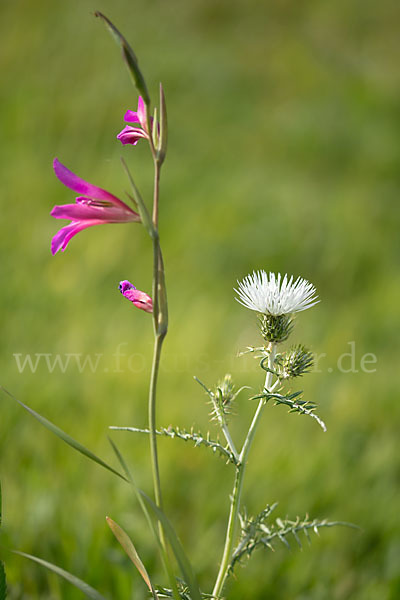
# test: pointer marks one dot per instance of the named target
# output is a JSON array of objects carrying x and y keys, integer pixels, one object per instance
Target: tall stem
[
  {"x": 160, "y": 322},
  {"x": 152, "y": 418},
  {"x": 238, "y": 484},
  {"x": 230, "y": 532},
  {"x": 160, "y": 319}
]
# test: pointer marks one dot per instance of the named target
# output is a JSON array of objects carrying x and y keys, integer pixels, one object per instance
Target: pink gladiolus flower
[
  {"x": 131, "y": 135},
  {"x": 94, "y": 207},
  {"x": 139, "y": 299}
]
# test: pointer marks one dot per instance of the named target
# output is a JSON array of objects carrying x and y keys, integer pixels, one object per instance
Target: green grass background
[{"x": 283, "y": 155}]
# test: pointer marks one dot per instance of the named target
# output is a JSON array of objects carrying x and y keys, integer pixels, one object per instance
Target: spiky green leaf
[
  {"x": 295, "y": 404},
  {"x": 259, "y": 532},
  {"x": 195, "y": 436}
]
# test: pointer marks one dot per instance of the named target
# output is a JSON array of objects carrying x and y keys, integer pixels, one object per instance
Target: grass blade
[
  {"x": 65, "y": 437},
  {"x": 78, "y": 583},
  {"x": 139, "y": 494},
  {"x": 130, "y": 550},
  {"x": 183, "y": 562},
  {"x": 3, "y": 583}
]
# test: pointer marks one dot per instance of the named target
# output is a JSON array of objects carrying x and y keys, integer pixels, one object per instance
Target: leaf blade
[
  {"x": 127, "y": 544},
  {"x": 163, "y": 140},
  {"x": 72, "y": 579},
  {"x": 3, "y": 582},
  {"x": 129, "y": 58},
  {"x": 138, "y": 493},
  {"x": 65, "y": 437},
  {"x": 183, "y": 561}
]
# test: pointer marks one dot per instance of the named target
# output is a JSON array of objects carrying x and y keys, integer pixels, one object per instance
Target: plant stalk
[
  {"x": 160, "y": 323},
  {"x": 152, "y": 418},
  {"x": 238, "y": 484}
]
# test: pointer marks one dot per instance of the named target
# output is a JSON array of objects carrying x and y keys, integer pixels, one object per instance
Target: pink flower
[
  {"x": 131, "y": 135},
  {"x": 139, "y": 299},
  {"x": 94, "y": 207}
]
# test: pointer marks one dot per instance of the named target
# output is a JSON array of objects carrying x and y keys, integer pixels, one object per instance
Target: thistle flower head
[{"x": 274, "y": 295}]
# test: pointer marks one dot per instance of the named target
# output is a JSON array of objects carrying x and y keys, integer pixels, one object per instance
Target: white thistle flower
[{"x": 271, "y": 294}]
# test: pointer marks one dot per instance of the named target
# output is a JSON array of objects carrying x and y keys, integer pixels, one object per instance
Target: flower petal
[
  {"x": 142, "y": 113},
  {"x": 271, "y": 294},
  {"x": 62, "y": 237},
  {"x": 139, "y": 116},
  {"x": 125, "y": 285},
  {"x": 131, "y": 116},
  {"x": 75, "y": 183},
  {"x": 88, "y": 212},
  {"x": 131, "y": 135}
]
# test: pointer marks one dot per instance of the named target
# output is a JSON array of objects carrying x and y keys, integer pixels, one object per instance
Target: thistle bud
[{"x": 294, "y": 363}]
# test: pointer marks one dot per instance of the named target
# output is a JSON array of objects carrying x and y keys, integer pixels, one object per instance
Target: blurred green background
[{"x": 284, "y": 155}]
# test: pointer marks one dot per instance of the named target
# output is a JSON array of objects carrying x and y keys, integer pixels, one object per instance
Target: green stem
[
  {"x": 152, "y": 418},
  {"x": 158, "y": 341},
  {"x": 230, "y": 532},
  {"x": 238, "y": 484},
  {"x": 230, "y": 441},
  {"x": 160, "y": 321}
]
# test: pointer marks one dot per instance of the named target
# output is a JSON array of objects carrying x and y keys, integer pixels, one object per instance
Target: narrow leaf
[
  {"x": 142, "y": 208},
  {"x": 296, "y": 537},
  {"x": 65, "y": 437},
  {"x": 130, "y": 550},
  {"x": 155, "y": 128},
  {"x": 3, "y": 583},
  {"x": 205, "y": 388},
  {"x": 162, "y": 321},
  {"x": 136, "y": 490},
  {"x": 177, "y": 549},
  {"x": 284, "y": 541},
  {"x": 152, "y": 526},
  {"x": 162, "y": 147},
  {"x": 129, "y": 57},
  {"x": 78, "y": 583}
]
